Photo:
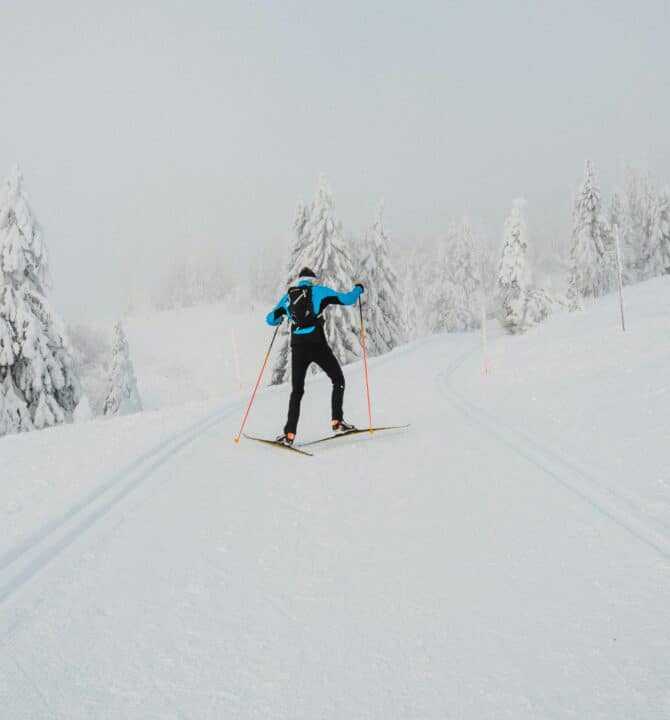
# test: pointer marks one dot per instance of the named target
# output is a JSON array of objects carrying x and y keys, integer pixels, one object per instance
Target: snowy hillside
[
  {"x": 508, "y": 556},
  {"x": 195, "y": 353}
]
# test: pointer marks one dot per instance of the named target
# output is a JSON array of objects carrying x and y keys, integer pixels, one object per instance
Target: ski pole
[
  {"x": 365, "y": 363},
  {"x": 258, "y": 382}
]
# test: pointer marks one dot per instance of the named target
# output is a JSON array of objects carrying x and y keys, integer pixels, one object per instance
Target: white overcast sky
[{"x": 147, "y": 124}]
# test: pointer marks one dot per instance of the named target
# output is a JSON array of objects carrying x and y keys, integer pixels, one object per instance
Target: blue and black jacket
[{"x": 322, "y": 296}]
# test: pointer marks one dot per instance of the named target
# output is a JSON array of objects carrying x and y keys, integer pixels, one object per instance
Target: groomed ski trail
[
  {"x": 28, "y": 558},
  {"x": 566, "y": 471},
  {"x": 442, "y": 572}
]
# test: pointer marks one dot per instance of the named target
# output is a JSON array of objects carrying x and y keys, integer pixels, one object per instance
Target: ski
[
  {"x": 278, "y": 444},
  {"x": 357, "y": 431}
]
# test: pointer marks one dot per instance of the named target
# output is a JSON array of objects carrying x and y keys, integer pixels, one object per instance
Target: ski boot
[
  {"x": 339, "y": 426},
  {"x": 285, "y": 439}
]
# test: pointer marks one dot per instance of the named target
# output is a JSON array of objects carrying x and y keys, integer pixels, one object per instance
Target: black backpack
[{"x": 300, "y": 306}]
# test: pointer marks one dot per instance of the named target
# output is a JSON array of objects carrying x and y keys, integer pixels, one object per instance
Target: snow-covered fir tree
[
  {"x": 329, "y": 256},
  {"x": 539, "y": 305},
  {"x": 439, "y": 291},
  {"x": 662, "y": 232},
  {"x": 650, "y": 264},
  {"x": 382, "y": 308},
  {"x": 14, "y": 413},
  {"x": 281, "y": 366},
  {"x": 455, "y": 303},
  {"x": 616, "y": 211},
  {"x": 417, "y": 270},
  {"x": 487, "y": 263},
  {"x": 123, "y": 397},
  {"x": 409, "y": 300},
  {"x": 39, "y": 385},
  {"x": 297, "y": 248},
  {"x": 512, "y": 280},
  {"x": 590, "y": 269},
  {"x": 640, "y": 249},
  {"x": 464, "y": 312}
]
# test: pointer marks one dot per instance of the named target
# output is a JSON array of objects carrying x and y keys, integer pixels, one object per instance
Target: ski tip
[{"x": 236, "y": 440}]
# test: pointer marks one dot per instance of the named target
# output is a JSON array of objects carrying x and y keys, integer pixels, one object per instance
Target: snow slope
[
  {"x": 506, "y": 557},
  {"x": 196, "y": 353}
]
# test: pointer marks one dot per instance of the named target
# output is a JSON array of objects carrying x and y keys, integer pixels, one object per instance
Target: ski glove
[{"x": 359, "y": 284}]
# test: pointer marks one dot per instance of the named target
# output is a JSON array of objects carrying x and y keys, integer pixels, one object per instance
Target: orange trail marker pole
[
  {"x": 365, "y": 363},
  {"x": 258, "y": 382}
]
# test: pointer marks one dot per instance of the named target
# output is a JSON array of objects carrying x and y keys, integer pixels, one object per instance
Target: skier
[{"x": 303, "y": 304}]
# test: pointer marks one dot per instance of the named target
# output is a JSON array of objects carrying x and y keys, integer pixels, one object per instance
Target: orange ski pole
[
  {"x": 365, "y": 363},
  {"x": 258, "y": 382}
]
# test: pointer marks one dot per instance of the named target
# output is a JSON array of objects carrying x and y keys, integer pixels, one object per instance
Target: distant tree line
[{"x": 444, "y": 285}]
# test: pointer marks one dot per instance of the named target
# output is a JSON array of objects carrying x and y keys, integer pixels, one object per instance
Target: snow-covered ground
[
  {"x": 201, "y": 353},
  {"x": 508, "y": 556}
]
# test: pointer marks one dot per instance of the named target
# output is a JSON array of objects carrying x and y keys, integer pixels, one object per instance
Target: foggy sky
[{"x": 143, "y": 126}]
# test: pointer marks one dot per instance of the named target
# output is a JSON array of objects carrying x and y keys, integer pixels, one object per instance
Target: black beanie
[{"x": 307, "y": 272}]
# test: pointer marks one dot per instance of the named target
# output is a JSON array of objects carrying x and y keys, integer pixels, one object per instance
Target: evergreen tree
[
  {"x": 487, "y": 264},
  {"x": 663, "y": 229},
  {"x": 419, "y": 270},
  {"x": 39, "y": 386},
  {"x": 464, "y": 309},
  {"x": 382, "y": 309},
  {"x": 589, "y": 259},
  {"x": 616, "y": 214},
  {"x": 539, "y": 304},
  {"x": 409, "y": 301},
  {"x": 641, "y": 252},
  {"x": 300, "y": 222},
  {"x": 512, "y": 280},
  {"x": 14, "y": 414},
  {"x": 650, "y": 262},
  {"x": 455, "y": 303},
  {"x": 123, "y": 397},
  {"x": 281, "y": 366},
  {"x": 328, "y": 255},
  {"x": 628, "y": 229},
  {"x": 439, "y": 296}
]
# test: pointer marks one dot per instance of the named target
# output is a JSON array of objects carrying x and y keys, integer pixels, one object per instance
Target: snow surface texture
[{"x": 506, "y": 557}]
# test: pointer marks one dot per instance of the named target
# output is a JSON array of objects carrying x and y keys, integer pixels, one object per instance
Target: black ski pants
[{"x": 302, "y": 356}]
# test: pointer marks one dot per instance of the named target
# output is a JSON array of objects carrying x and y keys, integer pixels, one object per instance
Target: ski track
[
  {"x": 27, "y": 559},
  {"x": 570, "y": 475}
]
